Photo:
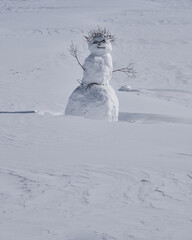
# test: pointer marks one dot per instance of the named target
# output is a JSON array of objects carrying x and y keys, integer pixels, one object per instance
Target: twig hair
[{"x": 99, "y": 32}]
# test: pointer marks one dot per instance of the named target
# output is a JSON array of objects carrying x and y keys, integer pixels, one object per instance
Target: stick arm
[
  {"x": 73, "y": 52},
  {"x": 129, "y": 70}
]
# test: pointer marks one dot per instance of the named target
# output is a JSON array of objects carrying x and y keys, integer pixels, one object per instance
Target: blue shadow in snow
[
  {"x": 16, "y": 112},
  {"x": 151, "y": 118}
]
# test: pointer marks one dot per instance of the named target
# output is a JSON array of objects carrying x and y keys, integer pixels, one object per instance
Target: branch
[
  {"x": 73, "y": 52},
  {"x": 129, "y": 71}
]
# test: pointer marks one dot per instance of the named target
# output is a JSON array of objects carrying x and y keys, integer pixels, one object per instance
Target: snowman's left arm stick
[
  {"x": 129, "y": 70},
  {"x": 73, "y": 52}
]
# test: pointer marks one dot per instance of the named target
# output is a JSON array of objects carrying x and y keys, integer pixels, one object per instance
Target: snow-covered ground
[{"x": 69, "y": 178}]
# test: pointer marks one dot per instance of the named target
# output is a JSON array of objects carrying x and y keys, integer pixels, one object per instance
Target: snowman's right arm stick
[
  {"x": 73, "y": 52},
  {"x": 129, "y": 70}
]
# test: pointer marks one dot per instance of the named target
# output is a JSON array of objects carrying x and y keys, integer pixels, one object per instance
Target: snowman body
[{"x": 95, "y": 98}]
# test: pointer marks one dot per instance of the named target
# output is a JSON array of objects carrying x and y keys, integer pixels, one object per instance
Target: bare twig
[
  {"x": 129, "y": 70},
  {"x": 99, "y": 32},
  {"x": 92, "y": 84},
  {"x": 73, "y": 52}
]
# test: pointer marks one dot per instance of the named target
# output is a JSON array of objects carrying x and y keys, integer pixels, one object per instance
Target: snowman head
[{"x": 100, "y": 41}]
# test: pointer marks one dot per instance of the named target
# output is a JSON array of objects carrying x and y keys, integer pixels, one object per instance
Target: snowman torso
[{"x": 98, "y": 69}]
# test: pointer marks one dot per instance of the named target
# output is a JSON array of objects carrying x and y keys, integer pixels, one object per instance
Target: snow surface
[{"x": 77, "y": 179}]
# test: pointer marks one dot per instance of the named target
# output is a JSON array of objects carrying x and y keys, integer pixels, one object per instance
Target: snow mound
[{"x": 127, "y": 88}]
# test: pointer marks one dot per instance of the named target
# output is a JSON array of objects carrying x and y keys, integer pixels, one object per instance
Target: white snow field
[{"x": 70, "y": 178}]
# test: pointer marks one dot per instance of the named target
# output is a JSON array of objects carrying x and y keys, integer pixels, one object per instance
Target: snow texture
[{"x": 95, "y": 98}]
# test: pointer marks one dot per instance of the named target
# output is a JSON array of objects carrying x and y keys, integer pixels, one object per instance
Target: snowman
[{"x": 95, "y": 98}]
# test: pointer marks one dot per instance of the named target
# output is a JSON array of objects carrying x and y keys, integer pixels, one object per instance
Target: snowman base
[{"x": 94, "y": 102}]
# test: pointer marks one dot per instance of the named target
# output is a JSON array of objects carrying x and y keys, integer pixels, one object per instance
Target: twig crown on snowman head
[{"x": 99, "y": 32}]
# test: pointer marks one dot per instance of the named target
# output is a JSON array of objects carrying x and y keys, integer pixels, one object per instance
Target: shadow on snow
[
  {"x": 151, "y": 118},
  {"x": 16, "y": 112}
]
